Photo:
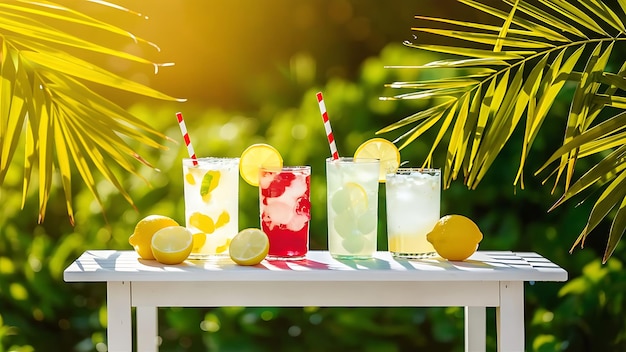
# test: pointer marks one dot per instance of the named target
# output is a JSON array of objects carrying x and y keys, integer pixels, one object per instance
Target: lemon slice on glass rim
[
  {"x": 383, "y": 150},
  {"x": 256, "y": 156}
]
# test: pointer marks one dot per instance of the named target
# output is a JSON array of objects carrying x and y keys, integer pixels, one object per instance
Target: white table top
[{"x": 111, "y": 265}]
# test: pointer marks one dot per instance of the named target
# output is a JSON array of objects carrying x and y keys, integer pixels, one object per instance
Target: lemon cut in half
[
  {"x": 145, "y": 229},
  {"x": 383, "y": 150},
  {"x": 256, "y": 156},
  {"x": 249, "y": 247},
  {"x": 172, "y": 245}
]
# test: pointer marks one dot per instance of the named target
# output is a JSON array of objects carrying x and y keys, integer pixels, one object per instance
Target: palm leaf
[
  {"x": 612, "y": 195},
  {"x": 551, "y": 20},
  {"x": 528, "y": 96},
  {"x": 444, "y": 127},
  {"x": 601, "y": 173},
  {"x": 605, "y": 13},
  {"x": 617, "y": 231},
  {"x": 476, "y": 53},
  {"x": 502, "y": 35},
  {"x": 579, "y": 110},
  {"x": 610, "y": 126},
  {"x": 457, "y": 63},
  {"x": 44, "y": 94},
  {"x": 489, "y": 39},
  {"x": 520, "y": 33},
  {"x": 537, "y": 50},
  {"x": 416, "y": 117},
  {"x": 602, "y": 144},
  {"x": 51, "y": 10},
  {"x": 571, "y": 11},
  {"x": 458, "y": 142}
]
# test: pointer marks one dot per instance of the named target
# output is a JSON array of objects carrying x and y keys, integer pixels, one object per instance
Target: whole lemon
[
  {"x": 141, "y": 238},
  {"x": 455, "y": 237}
]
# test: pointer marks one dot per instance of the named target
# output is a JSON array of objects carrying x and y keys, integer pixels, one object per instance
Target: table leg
[
  {"x": 147, "y": 328},
  {"x": 510, "y": 317},
  {"x": 475, "y": 329},
  {"x": 119, "y": 320}
]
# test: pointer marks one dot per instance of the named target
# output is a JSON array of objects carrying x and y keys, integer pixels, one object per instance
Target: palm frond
[
  {"x": 45, "y": 94},
  {"x": 510, "y": 75}
]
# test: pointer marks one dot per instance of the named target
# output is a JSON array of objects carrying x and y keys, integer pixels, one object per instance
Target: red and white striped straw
[
  {"x": 329, "y": 131},
  {"x": 183, "y": 129}
]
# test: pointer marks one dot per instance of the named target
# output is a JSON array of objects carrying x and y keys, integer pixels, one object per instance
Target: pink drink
[{"x": 285, "y": 210}]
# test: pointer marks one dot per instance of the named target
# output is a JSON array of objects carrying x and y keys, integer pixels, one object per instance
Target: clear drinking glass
[
  {"x": 352, "y": 195},
  {"x": 413, "y": 198},
  {"x": 285, "y": 209},
  {"x": 211, "y": 190}
]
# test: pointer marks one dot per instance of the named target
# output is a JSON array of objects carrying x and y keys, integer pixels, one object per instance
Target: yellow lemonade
[
  {"x": 413, "y": 207},
  {"x": 211, "y": 189}
]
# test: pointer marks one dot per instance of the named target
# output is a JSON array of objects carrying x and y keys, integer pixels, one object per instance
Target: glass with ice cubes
[
  {"x": 413, "y": 208},
  {"x": 352, "y": 195},
  {"x": 211, "y": 188},
  {"x": 285, "y": 209}
]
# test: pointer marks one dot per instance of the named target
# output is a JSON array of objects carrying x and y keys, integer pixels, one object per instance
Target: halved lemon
[
  {"x": 383, "y": 150},
  {"x": 141, "y": 238},
  {"x": 172, "y": 245},
  {"x": 256, "y": 156},
  {"x": 249, "y": 247}
]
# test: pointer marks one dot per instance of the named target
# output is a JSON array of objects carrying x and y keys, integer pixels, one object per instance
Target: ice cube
[
  {"x": 277, "y": 213},
  {"x": 354, "y": 243},
  {"x": 297, "y": 222}
]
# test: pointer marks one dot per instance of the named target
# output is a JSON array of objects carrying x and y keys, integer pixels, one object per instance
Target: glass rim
[
  {"x": 349, "y": 159},
  {"x": 212, "y": 158},
  {"x": 409, "y": 170},
  {"x": 286, "y": 168}
]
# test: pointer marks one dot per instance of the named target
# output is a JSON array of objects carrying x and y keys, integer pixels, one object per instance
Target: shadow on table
[
  {"x": 363, "y": 264},
  {"x": 302, "y": 264},
  {"x": 469, "y": 264}
]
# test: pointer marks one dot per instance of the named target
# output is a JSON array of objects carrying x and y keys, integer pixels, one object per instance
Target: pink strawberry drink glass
[{"x": 285, "y": 208}]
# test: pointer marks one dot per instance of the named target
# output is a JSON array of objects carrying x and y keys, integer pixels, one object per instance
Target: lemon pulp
[
  {"x": 249, "y": 247},
  {"x": 141, "y": 238},
  {"x": 172, "y": 245}
]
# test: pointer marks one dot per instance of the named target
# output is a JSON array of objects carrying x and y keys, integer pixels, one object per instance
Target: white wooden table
[{"x": 487, "y": 279}]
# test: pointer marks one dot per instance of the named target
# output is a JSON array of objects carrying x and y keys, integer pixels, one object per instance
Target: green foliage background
[{"x": 39, "y": 310}]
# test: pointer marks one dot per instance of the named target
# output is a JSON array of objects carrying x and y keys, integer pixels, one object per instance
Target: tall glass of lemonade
[
  {"x": 352, "y": 195},
  {"x": 413, "y": 209},
  {"x": 211, "y": 189}
]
